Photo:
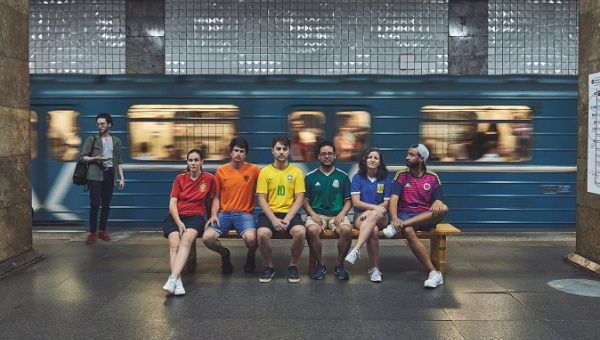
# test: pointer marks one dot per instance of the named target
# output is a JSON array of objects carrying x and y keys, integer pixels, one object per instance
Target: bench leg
[
  {"x": 437, "y": 252},
  {"x": 191, "y": 262}
]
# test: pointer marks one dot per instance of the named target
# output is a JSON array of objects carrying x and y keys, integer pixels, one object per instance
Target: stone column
[
  {"x": 587, "y": 248},
  {"x": 16, "y": 247},
  {"x": 468, "y": 37},
  {"x": 145, "y": 37}
]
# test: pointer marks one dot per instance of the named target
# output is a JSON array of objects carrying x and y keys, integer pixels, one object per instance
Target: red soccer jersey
[{"x": 193, "y": 195}]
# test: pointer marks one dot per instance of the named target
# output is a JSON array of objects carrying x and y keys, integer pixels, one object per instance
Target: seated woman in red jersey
[{"x": 192, "y": 191}]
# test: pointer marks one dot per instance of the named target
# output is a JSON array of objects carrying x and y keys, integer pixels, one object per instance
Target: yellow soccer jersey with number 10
[{"x": 280, "y": 186}]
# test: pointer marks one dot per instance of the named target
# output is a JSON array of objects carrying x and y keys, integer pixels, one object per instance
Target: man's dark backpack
[{"x": 81, "y": 168}]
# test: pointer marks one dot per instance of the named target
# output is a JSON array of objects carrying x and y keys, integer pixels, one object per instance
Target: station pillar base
[
  {"x": 17, "y": 262},
  {"x": 584, "y": 263}
]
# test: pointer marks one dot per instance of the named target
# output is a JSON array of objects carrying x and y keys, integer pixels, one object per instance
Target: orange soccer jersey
[{"x": 237, "y": 188}]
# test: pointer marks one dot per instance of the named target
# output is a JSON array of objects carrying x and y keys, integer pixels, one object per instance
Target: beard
[{"x": 412, "y": 165}]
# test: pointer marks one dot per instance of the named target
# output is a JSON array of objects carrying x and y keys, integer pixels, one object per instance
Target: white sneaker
[
  {"x": 170, "y": 284},
  {"x": 390, "y": 231},
  {"x": 375, "y": 274},
  {"x": 435, "y": 279},
  {"x": 352, "y": 256},
  {"x": 179, "y": 287}
]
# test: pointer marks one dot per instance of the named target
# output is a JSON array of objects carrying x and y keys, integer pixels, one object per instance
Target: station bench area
[{"x": 436, "y": 236}]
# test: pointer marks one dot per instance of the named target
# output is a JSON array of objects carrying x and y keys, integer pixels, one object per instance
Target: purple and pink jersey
[{"x": 416, "y": 194}]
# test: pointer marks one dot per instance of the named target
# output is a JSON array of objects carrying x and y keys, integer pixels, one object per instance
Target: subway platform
[{"x": 497, "y": 287}]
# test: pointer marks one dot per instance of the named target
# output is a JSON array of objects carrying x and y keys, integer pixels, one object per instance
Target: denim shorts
[
  {"x": 192, "y": 221},
  {"x": 408, "y": 214},
  {"x": 242, "y": 222}
]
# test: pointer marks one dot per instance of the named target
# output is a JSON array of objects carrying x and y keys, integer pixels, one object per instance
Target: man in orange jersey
[{"x": 233, "y": 205}]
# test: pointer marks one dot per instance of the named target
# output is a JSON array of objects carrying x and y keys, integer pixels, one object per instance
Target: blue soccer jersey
[{"x": 371, "y": 190}]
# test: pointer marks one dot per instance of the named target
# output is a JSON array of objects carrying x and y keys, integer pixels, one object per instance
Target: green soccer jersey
[{"x": 327, "y": 193}]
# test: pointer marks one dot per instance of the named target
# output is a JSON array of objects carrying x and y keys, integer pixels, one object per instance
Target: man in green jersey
[{"x": 327, "y": 202}]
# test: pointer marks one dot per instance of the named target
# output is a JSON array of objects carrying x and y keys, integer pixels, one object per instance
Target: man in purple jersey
[{"x": 416, "y": 204}]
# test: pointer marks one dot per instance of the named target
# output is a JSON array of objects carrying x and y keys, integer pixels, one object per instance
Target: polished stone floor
[{"x": 496, "y": 288}]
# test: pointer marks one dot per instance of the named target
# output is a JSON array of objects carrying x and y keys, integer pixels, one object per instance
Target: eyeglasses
[{"x": 327, "y": 154}]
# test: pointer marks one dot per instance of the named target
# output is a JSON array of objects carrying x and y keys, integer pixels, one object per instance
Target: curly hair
[
  {"x": 382, "y": 171},
  {"x": 240, "y": 143},
  {"x": 106, "y": 116}
]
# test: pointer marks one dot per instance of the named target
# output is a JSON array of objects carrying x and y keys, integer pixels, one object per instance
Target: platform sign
[{"x": 593, "y": 173}]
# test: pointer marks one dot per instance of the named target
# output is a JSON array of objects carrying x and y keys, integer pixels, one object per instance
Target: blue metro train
[{"x": 504, "y": 146}]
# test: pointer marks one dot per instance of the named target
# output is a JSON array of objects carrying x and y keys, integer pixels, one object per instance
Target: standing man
[
  {"x": 280, "y": 190},
  {"x": 103, "y": 154},
  {"x": 233, "y": 205},
  {"x": 416, "y": 204},
  {"x": 327, "y": 202}
]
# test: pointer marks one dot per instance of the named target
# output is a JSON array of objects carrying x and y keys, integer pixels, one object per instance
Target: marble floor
[{"x": 496, "y": 288}]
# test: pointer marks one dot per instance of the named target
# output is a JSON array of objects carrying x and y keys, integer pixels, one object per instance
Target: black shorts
[
  {"x": 192, "y": 221},
  {"x": 264, "y": 222}
]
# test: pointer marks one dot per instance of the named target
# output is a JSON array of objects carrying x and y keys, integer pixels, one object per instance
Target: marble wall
[
  {"x": 145, "y": 36},
  {"x": 467, "y": 37},
  {"x": 15, "y": 161},
  {"x": 588, "y": 205}
]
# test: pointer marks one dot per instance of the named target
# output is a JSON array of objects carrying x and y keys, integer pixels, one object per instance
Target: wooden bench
[{"x": 436, "y": 237}]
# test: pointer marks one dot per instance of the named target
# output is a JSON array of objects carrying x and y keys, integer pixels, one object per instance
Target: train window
[
  {"x": 353, "y": 129},
  {"x": 33, "y": 134},
  {"x": 167, "y": 132},
  {"x": 492, "y": 133},
  {"x": 63, "y": 134},
  {"x": 306, "y": 131}
]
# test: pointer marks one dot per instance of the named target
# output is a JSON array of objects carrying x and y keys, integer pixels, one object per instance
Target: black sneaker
[
  {"x": 293, "y": 275},
  {"x": 250, "y": 265},
  {"x": 319, "y": 273},
  {"x": 266, "y": 275},
  {"x": 341, "y": 272},
  {"x": 226, "y": 266}
]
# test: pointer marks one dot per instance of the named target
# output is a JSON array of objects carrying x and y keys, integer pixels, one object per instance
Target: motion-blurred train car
[{"x": 504, "y": 146}]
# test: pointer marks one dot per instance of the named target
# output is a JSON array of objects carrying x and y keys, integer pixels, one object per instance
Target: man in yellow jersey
[
  {"x": 280, "y": 190},
  {"x": 233, "y": 206}
]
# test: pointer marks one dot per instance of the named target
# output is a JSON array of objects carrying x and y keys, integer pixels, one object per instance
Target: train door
[
  {"x": 307, "y": 127},
  {"x": 57, "y": 145},
  {"x": 347, "y": 127},
  {"x": 350, "y": 132}
]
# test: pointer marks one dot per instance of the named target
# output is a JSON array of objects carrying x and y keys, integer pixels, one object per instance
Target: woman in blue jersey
[{"x": 371, "y": 192}]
